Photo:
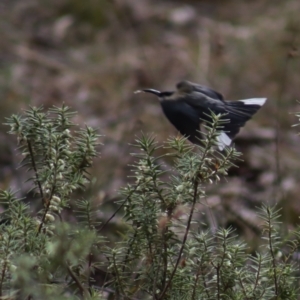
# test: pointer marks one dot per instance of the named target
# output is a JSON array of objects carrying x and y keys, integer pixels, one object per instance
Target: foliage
[
  {"x": 58, "y": 252},
  {"x": 40, "y": 249}
]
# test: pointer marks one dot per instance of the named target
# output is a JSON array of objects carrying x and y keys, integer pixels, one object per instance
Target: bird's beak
[{"x": 152, "y": 91}]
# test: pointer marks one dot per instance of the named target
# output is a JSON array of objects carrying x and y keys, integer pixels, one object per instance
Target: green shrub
[{"x": 53, "y": 246}]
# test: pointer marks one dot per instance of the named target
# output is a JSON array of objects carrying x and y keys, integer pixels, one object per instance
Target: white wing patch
[
  {"x": 254, "y": 101},
  {"x": 223, "y": 140}
]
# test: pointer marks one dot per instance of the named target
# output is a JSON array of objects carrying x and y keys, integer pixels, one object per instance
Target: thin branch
[
  {"x": 124, "y": 202},
  {"x": 273, "y": 257},
  {"x": 82, "y": 290},
  {"x": 218, "y": 280},
  {"x": 195, "y": 284},
  {"x": 47, "y": 207},
  {"x": 196, "y": 184},
  {"x": 126, "y": 258},
  {"x": 120, "y": 286},
  {"x": 257, "y": 274},
  {"x": 205, "y": 284},
  {"x": 243, "y": 288},
  {"x": 2, "y": 276},
  {"x": 165, "y": 264},
  {"x": 35, "y": 169}
]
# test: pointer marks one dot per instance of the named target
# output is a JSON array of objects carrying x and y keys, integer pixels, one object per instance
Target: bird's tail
[
  {"x": 243, "y": 110},
  {"x": 238, "y": 113}
]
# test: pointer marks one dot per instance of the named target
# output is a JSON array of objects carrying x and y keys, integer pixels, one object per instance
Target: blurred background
[{"x": 92, "y": 55}]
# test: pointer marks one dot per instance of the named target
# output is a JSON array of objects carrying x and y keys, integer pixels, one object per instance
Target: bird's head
[
  {"x": 182, "y": 88},
  {"x": 185, "y": 87}
]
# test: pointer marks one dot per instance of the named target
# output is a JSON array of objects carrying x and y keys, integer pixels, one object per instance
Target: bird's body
[{"x": 191, "y": 104}]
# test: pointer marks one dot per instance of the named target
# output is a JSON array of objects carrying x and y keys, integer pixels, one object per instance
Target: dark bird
[{"x": 191, "y": 104}]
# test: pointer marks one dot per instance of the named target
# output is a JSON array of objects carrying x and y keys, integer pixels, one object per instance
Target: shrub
[{"x": 57, "y": 250}]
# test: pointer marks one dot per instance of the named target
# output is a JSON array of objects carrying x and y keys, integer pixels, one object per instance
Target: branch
[
  {"x": 83, "y": 291},
  {"x": 113, "y": 215},
  {"x": 35, "y": 170},
  {"x": 196, "y": 184}
]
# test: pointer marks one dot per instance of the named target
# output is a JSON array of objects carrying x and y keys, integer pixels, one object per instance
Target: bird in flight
[{"x": 191, "y": 104}]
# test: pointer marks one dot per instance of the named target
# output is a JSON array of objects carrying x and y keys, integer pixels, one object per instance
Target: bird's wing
[
  {"x": 239, "y": 112},
  {"x": 208, "y": 92},
  {"x": 187, "y": 87},
  {"x": 236, "y": 112},
  {"x": 203, "y": 105}
]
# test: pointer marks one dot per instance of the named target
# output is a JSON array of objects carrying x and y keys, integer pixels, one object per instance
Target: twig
[
  {"x": 124, "y": 202},
  {"x": 83, "y": 291},
  {"x": 196, "y": 184},
  {"x": 2, "y": 276},
  {"x": 40, "y": 188},
  {"x": 273, "y": 256},
  {"x": 35, "y": 169}
]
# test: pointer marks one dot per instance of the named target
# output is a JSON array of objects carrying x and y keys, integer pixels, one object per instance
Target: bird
[{"x": 192, "y": 104}]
